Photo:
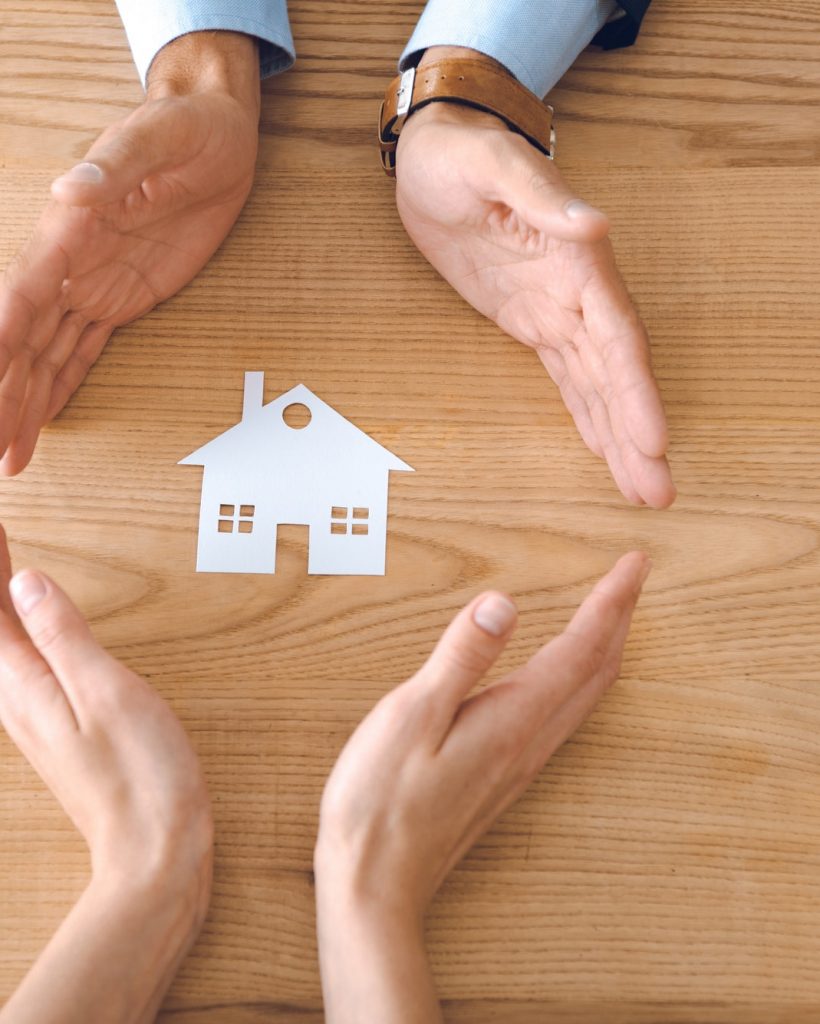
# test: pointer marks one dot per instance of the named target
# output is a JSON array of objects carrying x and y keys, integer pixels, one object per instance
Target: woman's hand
[
  {"x": 118, "y": 761},
  {"x": 428, "y": 771}
]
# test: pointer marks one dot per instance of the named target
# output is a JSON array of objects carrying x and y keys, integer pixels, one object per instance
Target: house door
[{"x": 292, "y": 548}]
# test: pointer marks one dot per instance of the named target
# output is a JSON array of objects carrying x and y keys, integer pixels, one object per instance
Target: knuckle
[
  {"x": 401, "y": 710},
  {"x": 465, "y": 659},
  {"x": 51, "y": 632}
]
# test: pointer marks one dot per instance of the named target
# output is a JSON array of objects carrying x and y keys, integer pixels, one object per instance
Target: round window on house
[{"x": 296, "y": 415}]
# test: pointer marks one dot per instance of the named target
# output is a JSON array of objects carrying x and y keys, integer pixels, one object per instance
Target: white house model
[{"x": 327, "y": 475}]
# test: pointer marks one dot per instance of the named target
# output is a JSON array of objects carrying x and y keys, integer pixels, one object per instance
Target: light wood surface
[{"x": 666, "y": 866}]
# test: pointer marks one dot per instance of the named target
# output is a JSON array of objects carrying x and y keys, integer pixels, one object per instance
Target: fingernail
[
  {"x": 578, "y": 208},
  {"x": 495, "y": 615},
  {"x": 27, "y": 590},
  {"x": 647, "y": 569},
  {"x": 83, "y": 174}
]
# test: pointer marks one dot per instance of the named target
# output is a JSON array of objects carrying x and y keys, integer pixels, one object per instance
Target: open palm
[
  {"x": 498, "y": 222},
  {"x": 126, "y": 229}
]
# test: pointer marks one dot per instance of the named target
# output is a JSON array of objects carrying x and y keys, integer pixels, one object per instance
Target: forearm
[
  {"x": 152, "y": 25},
  {"x": 535, "y": 42},
  {"x": 112, "y": 959},
  {"x": 372, "y": 958}
]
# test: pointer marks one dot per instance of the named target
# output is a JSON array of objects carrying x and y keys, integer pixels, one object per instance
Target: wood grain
[{"x": 666, "y": 867}]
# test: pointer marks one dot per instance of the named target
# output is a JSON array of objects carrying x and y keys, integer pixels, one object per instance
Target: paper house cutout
[{"x": 261, "y": 473}]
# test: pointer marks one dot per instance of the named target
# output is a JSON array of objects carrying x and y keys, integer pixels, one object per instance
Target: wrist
[
  {"x": 353, "y": 896},
  {"x": 225, "y": 62},
  {"x": 111, "y": 959},
  {"x": 174, "y": 868},
  {"x": 373, "y": 959},
  {"x": 454, "y": 114},
  {"x": 168, "y": 909}
]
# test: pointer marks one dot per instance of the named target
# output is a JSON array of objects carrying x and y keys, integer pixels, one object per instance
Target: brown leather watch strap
[{"x": 481, "y": 84}]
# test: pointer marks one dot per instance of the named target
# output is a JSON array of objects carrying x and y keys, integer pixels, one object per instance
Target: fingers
[
  {"x": 6, "y": 606},
  {"x": 30, "y": 310},
  {"x": 597, "y": 634},
  {"x": 589, "y": 649},
  {"x": 510, "y": 729},
  {"x": 602, "y": 621},
  {"x": 87, "y": 351},
  {"x": 533, "y": 187},
  {"x": 584, "y": 375},
  {"x": 38, "y": 393},
  {"x": 56, "y": 628},
  {"x": 155, "y": 137},
  {"x": 598, "y": 370},
  {"x": 642, "y": 479},
  {"x": 31, "y": 286},
  {"x": 33, "y": 706},
  {"x": 614, "y": 327},
  {"x": 467, "y": 650},
  {"x": 649, "y": 475},
  {"x": 573, "y": 400}
]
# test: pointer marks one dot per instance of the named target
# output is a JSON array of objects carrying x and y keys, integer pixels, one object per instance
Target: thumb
[
  {"x": 535, "y": 190},
  {"x": 467, "y": 650},
  {"x": 55, "y": 626},
  {"x": 153, "y": 138}
]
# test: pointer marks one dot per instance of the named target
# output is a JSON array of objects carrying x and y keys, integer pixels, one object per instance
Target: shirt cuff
[
  {"x": 536, "y": 41},
  {"x": 152, "y": 24}
]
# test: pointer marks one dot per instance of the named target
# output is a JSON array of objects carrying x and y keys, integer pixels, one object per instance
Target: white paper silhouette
[{"x": 327, "y": 475}]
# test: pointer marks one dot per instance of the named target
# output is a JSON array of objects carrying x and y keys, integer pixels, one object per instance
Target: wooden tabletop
[{"x": 666, "y": 865}]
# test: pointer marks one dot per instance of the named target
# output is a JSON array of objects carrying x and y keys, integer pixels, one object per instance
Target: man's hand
[
  {"x": 496, "y": 219},
  {"x": 119, "y": 762},
  {"x": 428, "y": 771},
  {"x": 127, "y": 228}
]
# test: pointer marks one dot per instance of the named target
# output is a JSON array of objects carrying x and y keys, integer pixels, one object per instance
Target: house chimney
[{"x": 254, "y": 393}]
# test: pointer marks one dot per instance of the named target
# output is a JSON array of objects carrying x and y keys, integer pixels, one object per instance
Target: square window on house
[
  {"x": 350, "y": 520},
  {"x": 236, "y": 518}
]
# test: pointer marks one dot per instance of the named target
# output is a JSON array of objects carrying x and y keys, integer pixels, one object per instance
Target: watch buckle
[
  {"x": 387, "y": 148},
  {"x": 388, "y": 137},
  {"x": 404, "y": 98}
]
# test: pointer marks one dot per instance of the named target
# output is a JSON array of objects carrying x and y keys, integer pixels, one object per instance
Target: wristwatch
[{"x": 481, "y": 83}]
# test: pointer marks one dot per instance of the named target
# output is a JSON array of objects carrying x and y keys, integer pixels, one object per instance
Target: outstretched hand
[
  {"x": 127, "y": 228},
  {"x": 429, "y": 770},
  {"x": 496, "y": 219},
  {"x": 119, "y": 762}
]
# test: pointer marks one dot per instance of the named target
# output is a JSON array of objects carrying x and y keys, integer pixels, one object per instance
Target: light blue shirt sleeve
[
  {"x": 536, "y": 40},
  {"x": 152, "y": 24}
]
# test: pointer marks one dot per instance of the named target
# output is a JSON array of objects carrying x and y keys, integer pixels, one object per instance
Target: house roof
[{"x": 333, "y": 434}]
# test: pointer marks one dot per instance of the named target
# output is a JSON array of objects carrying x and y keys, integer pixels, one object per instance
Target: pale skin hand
[
  {"x": 428, "y": 771},
  {"x": 496, "y": 219},
  {"x": 127, "y": 228},
  {"x": 118, "y": 761}
]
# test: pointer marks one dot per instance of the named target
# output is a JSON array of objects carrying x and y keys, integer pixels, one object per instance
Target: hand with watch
[{"x": 479, "y": 194}]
